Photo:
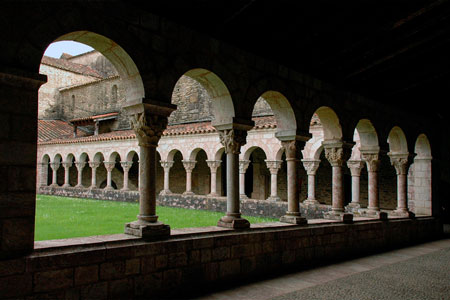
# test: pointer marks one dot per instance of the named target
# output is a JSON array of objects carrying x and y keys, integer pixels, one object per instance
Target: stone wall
[{"x": 121, "y": 266}]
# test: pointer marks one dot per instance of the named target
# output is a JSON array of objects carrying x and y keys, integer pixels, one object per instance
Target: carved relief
[
  {"x": 355, "y": 167},
  {"x": 213, "y": 164},
  {"x": 290, "y": 148},
  {"x": 166, "y": 164},
  {"x": 372, "y": 160},
  {"x": 126, "y": 165},
  {"x": 335, "y": 155},
  {"x": 189, "y": 165},
  {"x": 148, "y": 128},
  {"x": 232, "y": 140},
  {"x": 400, "y": 164},
  {"x": 311, "y": 166},
  {"x": 273, "y": 166}
]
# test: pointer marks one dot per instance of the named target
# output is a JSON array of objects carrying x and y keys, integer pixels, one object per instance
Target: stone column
[
  {"x": 213, "y": 165},
  {"x": 355, "y": 167},
  {"x": 126, "y": 166},
  {"x": 232, "y": 140},
  {"x": 166, "y": 166},
  {"x": 311, "y": 166},
  {"x": 373, "y": 163},
  {"x": 293, "y": 216},
  {"x": 189, "y": 165},
  {"x": 94, "y": 165},
  {"x": 148, "y": 121},
  {"x": 273, "y": 166},
  {"x": 43, "y": 174},
  {"x": 55, "y": 166},
  {"x": 243, "y": 165},
  {"x": 66, "y": 165},
  {"x": 334, "y": 153},
  {"x": 109, "y": 165},
  {"x": 80, "y": 166},
  {"x": 400, "y": 163}
]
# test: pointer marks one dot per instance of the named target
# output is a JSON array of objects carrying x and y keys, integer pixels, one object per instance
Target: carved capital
[
  {"x": 233, "y": 140},
  {"x": 67, "y": 164},
  {"x": 213, "y": 164},
  {"x": 80, "y": 165},
  {"x": 148, "y": 128},
  {"x": 166, "y": 164},
  {"x": 273, "y": 165},
  {"x": 189, "y": 165},
  {"x": 355, "y": 167},
  {"x": 126, "y": 165},
  {"x": 400, "y": 163},
  {"x": 55, "y": 165},
  {"x": 311, "y": 166},
  {"x": 243, "y": 165},
  {"x": 291, "y": 149},
  {"x": 372, "y": 161},
  {"x": 109, "y": 165},
  {"x": 94, "y": 164},
  {"x": 335, "y": 155}
]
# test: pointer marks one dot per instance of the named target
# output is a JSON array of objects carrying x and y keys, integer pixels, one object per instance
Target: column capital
[
  {"x": 273, "y": 165},
  {"x": 213, "y": 164},
  {"x": 94, "y": 164},
  {"x": 166, "y": 164},
  {"x": 55, "y": 165},
  {"x": 189, "y": 165},
  {"x": 80, "y": 165},
  {"x": 148, "y": 128},
  {"x": 372, "y": 160},
  {"x": 292, "y": 148},
  {"x": 400, "y": 162},
  {"x": 355, "y": 167},
  {"x": 109, "y": 165},
  {"x": 67, "y": 164},
  {"x": 243, "y": 165},
  {"x": 311, "y": 166},
  {"x": 334, "y": 153},
  {"x": 233, "y": 139},
  {"x": 126, "y": 165}
]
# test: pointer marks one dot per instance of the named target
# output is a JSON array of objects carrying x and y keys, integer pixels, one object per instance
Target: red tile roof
[
  {"x": 64, "y": 64},
  {"x": 55, "y": 129}
]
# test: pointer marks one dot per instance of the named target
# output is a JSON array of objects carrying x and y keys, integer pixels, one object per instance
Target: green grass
[{"x": 64, "y": 217}]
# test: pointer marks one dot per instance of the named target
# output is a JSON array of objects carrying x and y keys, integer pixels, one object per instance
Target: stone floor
[{"x": 417, "y": 272}]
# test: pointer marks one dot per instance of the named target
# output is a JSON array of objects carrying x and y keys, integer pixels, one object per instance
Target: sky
[{"x": 73, "y": 48}]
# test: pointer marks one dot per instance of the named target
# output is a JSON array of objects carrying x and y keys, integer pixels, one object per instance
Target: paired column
[
  {"x": 213, "y": 166},
  {"x": 166, "y": 166},
  {"x": 355, "y": 167},
  {"x": 94, "y": 165},
  {"x": 126, "y": 166},
  {"x": 400, "y": 163},
  {"x": 232, "y": 139},
  {"x": 311, "y": 166},
  {"x": 66, "y": 165},
  {"x": 109, "y": 165},
  {"x": 373, "y": 163},
  {"x": 189, "y": 166},
  {"x": 293, "y": 216},
  {"x": 334, "y": 153},
  {"x": 274, "y": 166},
  {"x": 148, "y": 121},
  {"x": 80, "y": 166},
  {"x": 243, "y": 166},
  {"x": 54, "y": 166}
]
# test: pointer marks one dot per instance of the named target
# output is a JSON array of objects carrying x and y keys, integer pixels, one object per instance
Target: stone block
[
  {"x": 147, "y": 285},
  {"x": 86, "y": 274},
  {"x": 53, "y": 280},
  {"x": 161, "y": 261},
  {"x": 177, "y": 260},
  {"x": 12, "y": 266},
  {"x": 205, "y": 255},
  {"x": 172, "y": 278},
  {"x": 221, "y": 253},
  {"x": 15, "y": 286},
  {"x": 229, "y": 268},
  {"x": 132, "y": 266},
  {"x": 148, "y": 264},
  {"x": 94, "y": 291},
  {"x": 112, "y": 270},
  {"x": 17, "y": 234},
  {"x": 242, "y": 250},
  {"x": 120, "y": 289}
]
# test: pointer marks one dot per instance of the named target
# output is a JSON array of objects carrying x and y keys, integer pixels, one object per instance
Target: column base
[
  {"x": 109, "y": 188},
  {"x": 336, "y": 215},
  {"x": 213, "y": 195},
  {"x": 274, "y": 198},
  {"x": 165, "y": 192},
  {"x": 66, "y": 185},
  {"x": 293, "y": 219},
  {"x": 376, "y": 214},
  {"x": 235, "y": 222},
  {"x": 147, "y": 230},
  {"x": 402, "y": 213},
  {"x": 188, "y": 193},
  {"x": 354, "y": 205},
  {"x": 243, "y": 196},
  {"x": 311, "y": 202},
  {"x": 79, "y": 186},
  {"x": 53, "y": 185}
]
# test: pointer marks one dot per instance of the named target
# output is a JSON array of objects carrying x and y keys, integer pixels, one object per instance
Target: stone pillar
[
  {"x": 43, "y": 174},
  {"x": 355, "y": 167},
  {"x": 109, "y": 165},
  {"x": 66, "y": 165},
  {"x": 232, "y": 139},
  {"x": 311, "y": 166},
  {"x": 55, "y": 166},
  {"x": 400, "y": 163},
  {"x": 334, "y": 153},
  {"x": 293, "y": 216},
  {"x": 80, "y": 166},
  {"x": 126, "y": 166},
  {"x": 273, "y": 166},
  {"x": 213, "y": 165},
  {"x": 243, "y": 165},
  {"x": 166, "y": 166},
  {"x": 148, "y": 121},
  {"x": 189, "y": 165},
  {"x": 94, "y": 165},
  {"x": 373, "y": 163}
]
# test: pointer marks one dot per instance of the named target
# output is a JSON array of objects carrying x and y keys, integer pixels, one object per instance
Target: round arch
[
  {"x": 422, "y": 147},
  {"x": 368, "y": 136},
  {"x": 332, "y": 129},
  {"x": 397, "y": 141},
  {"x": 193, "y": 154},
  {"x": 131, "y": 154},
  {"x": 172, "y": 153}
]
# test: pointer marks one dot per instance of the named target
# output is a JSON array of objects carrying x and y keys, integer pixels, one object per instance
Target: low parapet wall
[{"x": 122, "y": 266}]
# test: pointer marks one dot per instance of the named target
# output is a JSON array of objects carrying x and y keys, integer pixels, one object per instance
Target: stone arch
[
  {"x": 250, "y": 150},
  {"x": 193, "y": 154},
  {"x": 201, "y": 175},
  {"x": 99, "y": 157},
  {"x": 368, "y": 135},
  {"x": 219, "y": 153},
  {"x": 257, "y": 175},
  {"x": 84, "y": 157},
  {"x": 114, "y": 156},
  {"x": 57, "y": 158},
  {"x": 332, "y": 129},
  {"x": 86, "y": 178},
  {"x": 45, "y": 171},
  {"x": 422, "y": 147},
  {"x": 172, "y": 153},
  {"x": 131, "y": 154},
  {"x": 420, "y": 179},
  {"x": 279, "y": 153}
]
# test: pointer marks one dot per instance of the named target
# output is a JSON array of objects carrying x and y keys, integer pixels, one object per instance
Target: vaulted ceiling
[{"x": 395, "y": 52}]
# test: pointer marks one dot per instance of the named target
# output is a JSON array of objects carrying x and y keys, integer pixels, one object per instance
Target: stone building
[{"x": 353, "y": 67}]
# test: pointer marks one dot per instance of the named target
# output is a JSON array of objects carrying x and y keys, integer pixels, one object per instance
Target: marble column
[
  {"x": 334, "y": 153},
  {"x": 311, "y": 166},
  {"x": 213, "y": 166},
  {"x": 109, "y": 165},
  {"x": 243, "y": 166},
  {"x": 189, "y": 166},
  {"x": 400, "y": 163},
  {"x": 232, "y": 140},
  {"x": 80, "y": 166},
  {"x": 54, "y": 166},
  {"x": 166, "y": 166},
  {"x": 94, "y": 165},
  {"x": 373, "y": 163},
  {"x": 273, "y": 166},
  {"x": 66, "y": 165},
  {"x": 126, "y": 166},
  {"x": 355, "y": 167},
  {"x": 148, "y": 120},
  {"x": 292, "y": 150}
]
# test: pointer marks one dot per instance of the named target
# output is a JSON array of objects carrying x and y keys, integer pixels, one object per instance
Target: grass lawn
[{"x": 64, "y": 217}]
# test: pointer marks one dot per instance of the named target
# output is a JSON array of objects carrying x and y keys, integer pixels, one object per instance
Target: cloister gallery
[{"x": 162, "y": 114}]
